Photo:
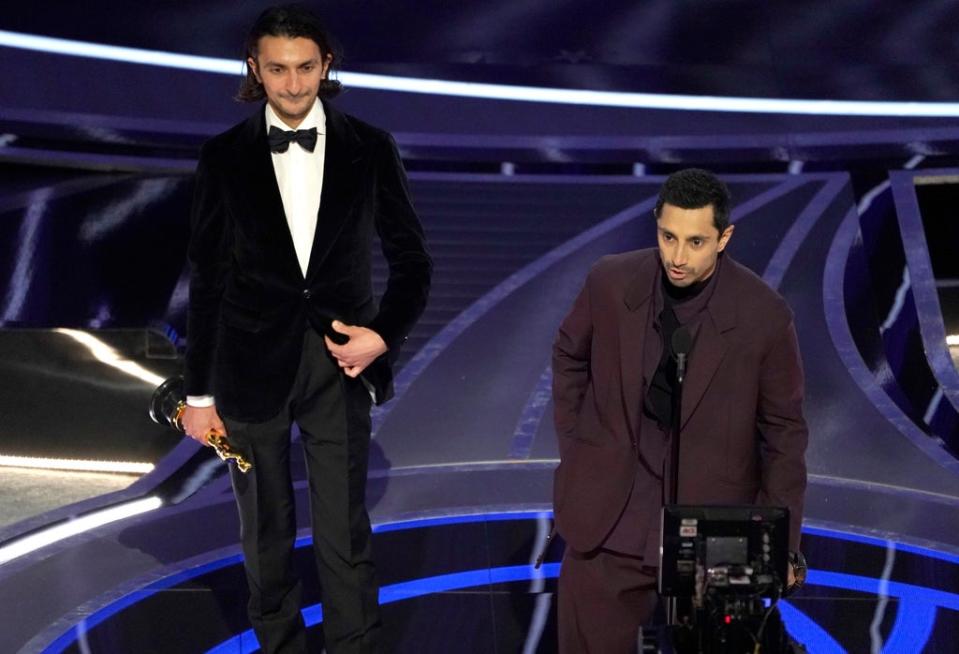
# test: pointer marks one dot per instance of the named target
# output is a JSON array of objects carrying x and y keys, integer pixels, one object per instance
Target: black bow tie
[{"x": 280, "y": 139}]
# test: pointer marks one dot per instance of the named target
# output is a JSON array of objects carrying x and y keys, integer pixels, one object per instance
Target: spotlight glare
[
  {"x": 75, "y": 465},
  {"x": 106, "y": 354},
  {"x": 79, "y": 525}
]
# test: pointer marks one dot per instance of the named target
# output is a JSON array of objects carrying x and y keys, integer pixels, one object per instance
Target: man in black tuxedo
[{"x": 283, "y": 326}]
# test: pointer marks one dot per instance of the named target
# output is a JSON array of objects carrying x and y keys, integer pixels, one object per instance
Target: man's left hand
[{"x": 359, "y": 352}]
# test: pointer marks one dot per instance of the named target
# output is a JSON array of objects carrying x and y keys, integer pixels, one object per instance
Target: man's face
[
  {"x": 291, "y": 71},
  {"x": 689, "y": 243}
]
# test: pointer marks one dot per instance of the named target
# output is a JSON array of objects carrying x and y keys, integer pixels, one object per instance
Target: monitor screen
[{"x": 739, "y": 549}]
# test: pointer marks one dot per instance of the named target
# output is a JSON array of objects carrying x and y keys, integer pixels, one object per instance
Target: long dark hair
[{"x": 291, "y": 21}]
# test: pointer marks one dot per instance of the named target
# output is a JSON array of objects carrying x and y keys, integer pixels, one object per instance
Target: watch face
[
  {"x": 798, "y": 563},
  {"x": 800, "y": 573}
]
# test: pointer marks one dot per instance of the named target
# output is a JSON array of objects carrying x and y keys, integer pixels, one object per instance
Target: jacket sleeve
[
  {"x": 209, "y": 259},
  {"x": 404, "y": 246},
  {"x": 571, "y": 365},
  {"x": 782, "y": 428}
]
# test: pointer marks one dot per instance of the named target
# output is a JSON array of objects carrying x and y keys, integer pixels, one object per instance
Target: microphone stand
[
  {"x": 675, "y": 427},
  {"x": 681, "y": 343}
]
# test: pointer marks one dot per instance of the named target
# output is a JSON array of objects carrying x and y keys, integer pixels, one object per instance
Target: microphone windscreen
[{"x": 682, "y": 341}]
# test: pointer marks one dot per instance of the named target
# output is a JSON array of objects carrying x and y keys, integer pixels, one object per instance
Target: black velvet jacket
[{"x": 249, "y": 301}]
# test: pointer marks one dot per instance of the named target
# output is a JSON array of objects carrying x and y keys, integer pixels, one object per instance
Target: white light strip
[
  {"x": 952, "y": 339},
  {"x": 78, "y": 465},
  {"x": 76, "y": 526},
  {"x": 499, "y": 91},
  {"x": 106, "y": 354},
  {"x": 650, "y": 100},
  {"x": 119, "y": 53}
]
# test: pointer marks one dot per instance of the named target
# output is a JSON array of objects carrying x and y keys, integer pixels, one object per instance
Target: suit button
[{"x": 306, "y": 294}]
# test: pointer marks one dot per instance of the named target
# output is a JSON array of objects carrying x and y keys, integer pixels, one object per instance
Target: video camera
[{"x": 724, "y": 568}]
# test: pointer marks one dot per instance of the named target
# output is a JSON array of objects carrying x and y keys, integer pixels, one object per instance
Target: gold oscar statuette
[
  {"x": 218, "y": 441},
  {"x": 166, "y": 408}
]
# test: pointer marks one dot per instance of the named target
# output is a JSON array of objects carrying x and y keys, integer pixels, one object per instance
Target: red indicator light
[{"x": 728, "y": 619}]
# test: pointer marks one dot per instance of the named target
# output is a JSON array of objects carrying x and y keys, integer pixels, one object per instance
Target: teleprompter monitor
[{"x": 729, "y": 549}]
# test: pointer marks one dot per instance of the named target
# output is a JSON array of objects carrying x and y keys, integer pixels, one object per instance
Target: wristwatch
[{"x": 800, "y": 569}]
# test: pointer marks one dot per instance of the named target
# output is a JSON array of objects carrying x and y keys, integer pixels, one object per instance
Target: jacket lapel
[
  {"x": 341, "y": 177},
  {"x": 710, "y": 346},
  {"x": 632, "y": 329},
  {"x": 256, "y": 179}
]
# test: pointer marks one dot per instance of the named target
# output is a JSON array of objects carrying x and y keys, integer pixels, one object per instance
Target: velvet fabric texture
[
  {"x": 743, "y": 435},
  {"x": 249, "y": 300}
]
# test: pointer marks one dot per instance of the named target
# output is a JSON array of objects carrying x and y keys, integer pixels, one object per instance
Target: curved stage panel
[{"x": 465, "y": 584}]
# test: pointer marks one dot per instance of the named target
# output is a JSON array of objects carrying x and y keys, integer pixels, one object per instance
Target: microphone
[{"x": 682, "y": 343}]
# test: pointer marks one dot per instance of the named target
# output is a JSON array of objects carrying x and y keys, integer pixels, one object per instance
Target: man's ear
[
  {"x": 327, "y": 62},
  {"x": 725, "y": 236},
  {"x": 251, "y": 64}
]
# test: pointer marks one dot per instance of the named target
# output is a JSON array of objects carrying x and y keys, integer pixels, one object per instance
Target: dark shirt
[{"x": 660, "y": 398}]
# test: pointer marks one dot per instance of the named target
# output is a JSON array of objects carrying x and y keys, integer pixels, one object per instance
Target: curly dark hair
[
  {"x": 291, "y": 21},
  {"x": 695, "y": 188}
]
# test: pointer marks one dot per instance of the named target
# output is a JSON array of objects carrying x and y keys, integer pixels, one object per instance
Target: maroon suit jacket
[{"x": 743, "y": 435}]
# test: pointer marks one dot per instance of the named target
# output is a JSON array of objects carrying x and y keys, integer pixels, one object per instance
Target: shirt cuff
[{"x": 199, "y": 401}]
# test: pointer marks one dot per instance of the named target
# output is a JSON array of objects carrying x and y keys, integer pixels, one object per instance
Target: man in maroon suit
[{"x": 743, "y": 436}]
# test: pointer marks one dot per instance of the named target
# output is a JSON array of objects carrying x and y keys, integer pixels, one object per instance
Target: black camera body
[{"x": 724, "y": 567}]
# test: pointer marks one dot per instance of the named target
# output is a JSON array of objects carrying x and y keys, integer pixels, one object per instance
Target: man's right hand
[{"x": 200, "y": 421}]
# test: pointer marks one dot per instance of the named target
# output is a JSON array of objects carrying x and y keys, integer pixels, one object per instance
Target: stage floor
[{"x": 464, "y": 584}]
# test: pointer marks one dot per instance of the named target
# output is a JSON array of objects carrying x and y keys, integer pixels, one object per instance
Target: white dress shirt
[{"x": 299, "y": 176}]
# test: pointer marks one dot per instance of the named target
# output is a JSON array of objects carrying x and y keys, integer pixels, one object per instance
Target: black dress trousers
[{"x": 333, "y": 413}]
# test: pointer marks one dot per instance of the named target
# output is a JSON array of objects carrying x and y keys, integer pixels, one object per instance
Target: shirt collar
[
  {"x": 316, "y": 118},
  {"x": 687, "y": 309}
]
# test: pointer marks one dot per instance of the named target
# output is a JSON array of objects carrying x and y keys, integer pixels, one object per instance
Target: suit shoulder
[
  {"x": 367, "y": 133},
  {"x": 215, "y": 145},
  {"x": 757, "y": 294},
  {"x": 613, "y": 274},
  {"x": 625, "y": 264}
]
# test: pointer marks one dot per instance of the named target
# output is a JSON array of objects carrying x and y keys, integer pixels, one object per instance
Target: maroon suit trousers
[{"x": 604, "y": 598}]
